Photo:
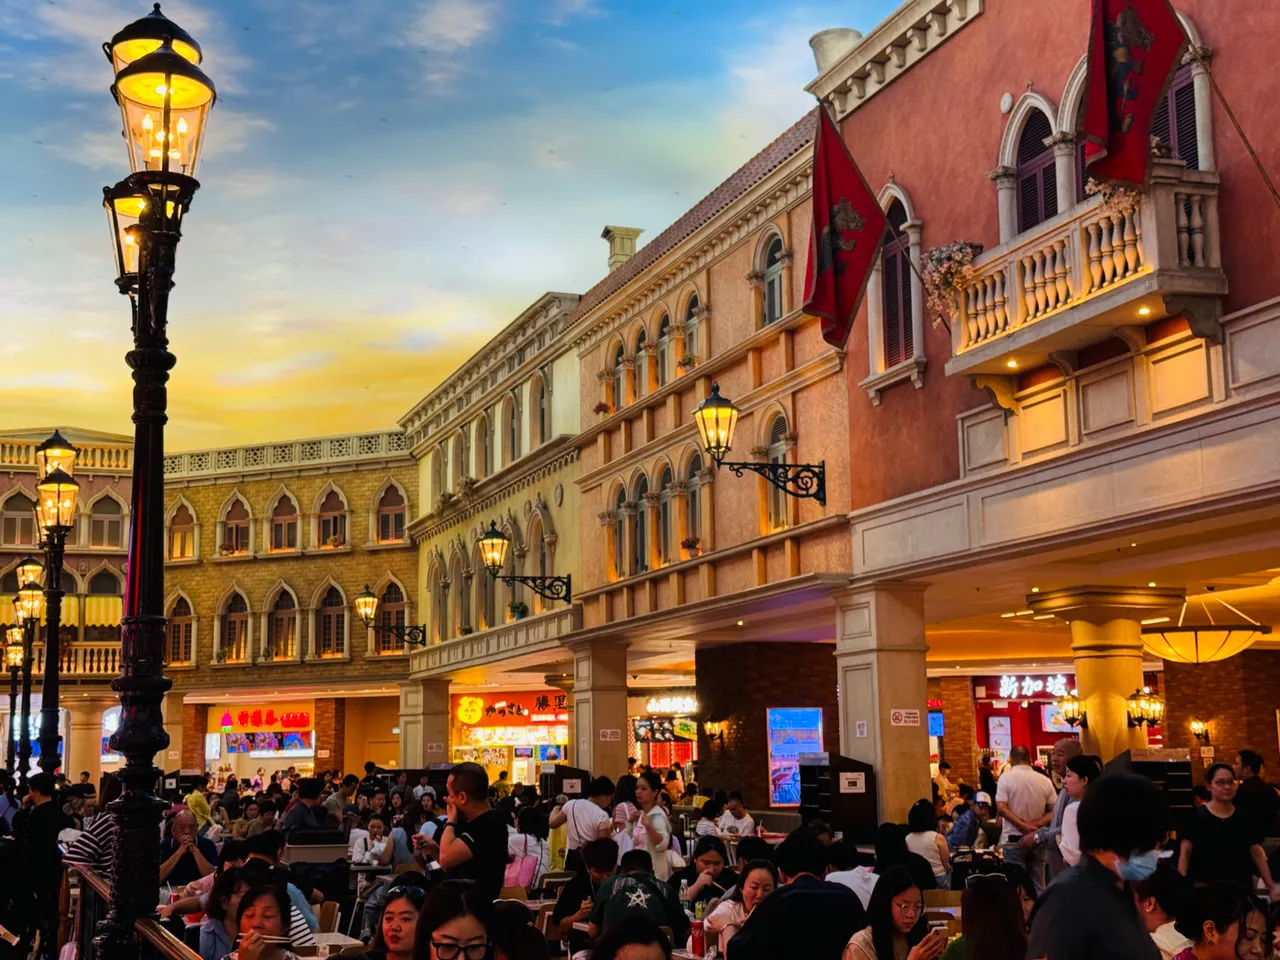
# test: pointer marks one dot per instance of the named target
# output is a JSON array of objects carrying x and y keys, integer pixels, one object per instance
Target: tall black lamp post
[
  {"x": 164, "y": 101},
  {"x": 29, "y": 604},
  {"x": 13, "y": 663},
  {"x": 56, "y": 493}
]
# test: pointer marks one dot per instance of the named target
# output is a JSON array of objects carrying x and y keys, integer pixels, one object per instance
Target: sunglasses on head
[{"x": 969, "y": 880}]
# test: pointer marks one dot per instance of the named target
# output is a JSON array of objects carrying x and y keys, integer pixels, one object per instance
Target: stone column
[
  {"x": 195, "y": 722},
  {"x": 653, "y": 528},
  {"x": 1006, "y": 181},
  {"x": 1064, "y": 165},
  {"x": 607, "y": 518},
  {"x": 629, "y": 537},
  {"x": 564, "y": 683},
  {"x": 600, "y": 707},
  {"x": 424, "y": 723},
  {"x": 786, "y": 259},
  {"x": 331, "y": 733},
  {"x": 880, "y": 661},
  {"x": 85, "y": 741},
  {"x": 1106, "y": 642}
]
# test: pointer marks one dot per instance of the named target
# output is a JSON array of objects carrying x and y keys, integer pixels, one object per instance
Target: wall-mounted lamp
[
  {"x": 1071, "y": 708},
  {"x": 1200, "y": 728},
  {"x": 714, "y": 729},
  {"x": 1145, "y": 708}
]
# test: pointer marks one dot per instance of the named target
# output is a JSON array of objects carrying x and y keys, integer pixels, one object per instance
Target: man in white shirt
[
  {"x": 588, "y": 820},
  {"x": 1025, "y": 799},
  {"x": 735, "y": 819},
  {"x": 421, "y": 788}
]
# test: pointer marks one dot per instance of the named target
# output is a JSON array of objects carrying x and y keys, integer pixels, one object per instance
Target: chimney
[
  {"x": 831, "y": 46},
  {"x": 622, "y": 244}
]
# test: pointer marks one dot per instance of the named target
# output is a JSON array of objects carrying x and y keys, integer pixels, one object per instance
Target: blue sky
[{"x": 386, "y": 184}]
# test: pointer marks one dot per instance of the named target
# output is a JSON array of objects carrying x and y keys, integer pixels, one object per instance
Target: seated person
[
  {"x": 265, "y": 848},
  {"x": 707, "y": 876},
  {"x": 965, "y": 831},
  {"x": 184, "y": 855},
  {"x": 635, "y": 891},
  {"x": 577, "y": 896}
]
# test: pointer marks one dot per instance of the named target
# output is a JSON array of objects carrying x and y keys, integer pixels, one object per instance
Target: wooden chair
[
  {"x": 513, "y": 893},
  {"x": 328, "y": 917},
  {"x": 553, "y": 883},
  {"x": 542, "y": 923},
  {"x": 671, "y": 939},
  {"x": 407, "y": 868},
  {"x": 942, "y": 898}
]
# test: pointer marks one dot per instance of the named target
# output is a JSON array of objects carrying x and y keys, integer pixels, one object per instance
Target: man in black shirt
[
  {"x": 1254, "y": 795},
  {"x": 473, "y": 841},
  {"x": 184, "y": 855},
  {"x": 302, "y": 813},
  {"x": 1089, "y": 912},
  {"x": 577, "y": 898},
  {"x": 37, "y": 829},
  {"x": 635, "y": 891},
  {"x": 805, "y": 919}
]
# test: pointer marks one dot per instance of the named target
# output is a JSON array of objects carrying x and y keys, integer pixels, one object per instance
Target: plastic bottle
[{"x": 684, "y": 889}]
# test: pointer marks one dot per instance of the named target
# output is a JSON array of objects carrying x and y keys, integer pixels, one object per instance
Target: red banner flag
[
  {"x": 848, "y": 225},
  {"x": 1134, "y": 48}
]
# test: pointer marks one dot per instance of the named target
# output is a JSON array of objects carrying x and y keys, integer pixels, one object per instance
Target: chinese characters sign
[
  {"x": 1013, "y": 687},
  {"x": 257, "y": 718},
  {"x": 511, "y": 709}
]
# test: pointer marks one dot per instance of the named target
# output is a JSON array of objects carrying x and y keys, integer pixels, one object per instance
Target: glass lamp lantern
[
  {"x": 717, "y": 418},
  {"x": 30, "y": 570},
  {"x": 146, "y": 35},
  {"x": 56, "y": 454},
  {"x": 366, "y": 605},
  {"x": 1071, "y": 709},
  {"x": 493, "y": 548},
  {"x": 56, "y": 501},
  {"x": 13, "y": 649},
  {"x": 30, "y": 601},
  {"x": 165, "y": 101},
  {"x": 125, "y": 205}
]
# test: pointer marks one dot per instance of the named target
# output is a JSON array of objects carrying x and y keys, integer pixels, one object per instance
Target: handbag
[{"x": 523, "y": 870}]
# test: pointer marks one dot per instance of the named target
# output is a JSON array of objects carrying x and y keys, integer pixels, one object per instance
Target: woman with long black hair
[{"x": 897, "y": 930}]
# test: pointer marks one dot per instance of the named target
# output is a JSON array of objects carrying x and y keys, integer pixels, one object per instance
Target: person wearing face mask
[
  {"x": 1224, "y": 922},
  {"x": 1088, "y": 913},
  {"x": 1224, "y": 842}
]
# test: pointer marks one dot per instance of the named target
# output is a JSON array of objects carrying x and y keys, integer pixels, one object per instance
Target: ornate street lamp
[
  {"x": 165, "y": 100},
  {"x": 717, "y": 418},
  {"x": 13, "y": 660},
  {"x": 29, "y": 604},
  {"x": 56, "y": 454},
  {"x": 366, "y": 604},
  {"x": 1145, "y": 708},
  {"x": 1071, "y": 709},
  {"x": 494, "y": 545}
]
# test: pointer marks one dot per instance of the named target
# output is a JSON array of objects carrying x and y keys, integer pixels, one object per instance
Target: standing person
[
  {"x": 473, "y": 843},
  {"x": 942, "y": 779},
  {"x": 1224, "y": 922},
  {"x": 806, "y": 918},
  {"x": 1161, "y": 899},
  {"x": 402, "y": 787},
  {"x": 503, "y": 786},
  {"x": 198, "y": 803},
  {"x": 735, "y": 819},
  {"x": 995, "y": 927},
  {"x": 653, "y": 829},
  {"x": 924, "y": 839},
  {"x": 371, "y": 782},
  {"x": 1222, "y": 842},
  {"x": 897, "y": 929},
  {"x": 587, "y": 819},
  {"x": 423, "y": 786},
  {"x": 1254, "y": 795},
  {"x": 1047, "y": 836},
  {"x": 625, "y": 811},
  {"x": 231, "y": 798},
  {"x": 759, "y": 879},
  {"x": 986, "y": 775},
  {"x": 1089, "y": 913},
  {"x": 37, "y": 829},
  {"x": 1082, "y": 770},
  {"x": 1026, "y": 800},
  {"x": 531, "y": 841}
]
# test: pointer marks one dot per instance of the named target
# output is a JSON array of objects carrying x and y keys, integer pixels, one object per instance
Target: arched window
[
  {"x": 180, "y": 625},
  {"x": 461, "y": 604},
  {"x": 691, "y": 329},
  {"x": 777, "y": 454},
  {"x": 486, "y": 595},
  {"x": 235, "y": 528},
  {"x": 9, "y": 583},
  {"x": 619, "y": 378},
  {"x": 620, "y": 535},
  {"x": 511, "y": 429},
  {"x": 459, "y": 459},
  {"x": 439, "y": 604},
  {"x": 536, "y": 541},
  {"x": 1036, "y": 174},
  {"x": 284, "y": 524},
  {"x": 1174, "y": 121},
  {"x": 642, "y": 363},
  {"x": 693, "y": 497},
  {"x": 484, "y": 444},
  {"x": 773, "y": 282},
  {"x": 282, "y": 628},
  {"x": 895, "y": 260},
  {"x": 640, "y": 561},
  {"x": 104, "y": 583},
  {"x": 667, "y": 533},
  {"x": 106, "y": 523},
  {"x": 182, "y": 534},
  {"x": 333, "y": 521},
  {"x": 437, "y": 471},
  {"x": 541, "y": 411},
  {"x": 391, "y": 516},
  {"x": 333, "y": 624},
  {"x": 18, "y": 521},
  {"x": 665, "y": 343},
  {"x": 234, "y": 643},
  {"x": 391, "y": 612}
]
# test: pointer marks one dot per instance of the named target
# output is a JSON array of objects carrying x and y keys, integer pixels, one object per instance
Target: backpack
[{"x": 523, "y": 870}]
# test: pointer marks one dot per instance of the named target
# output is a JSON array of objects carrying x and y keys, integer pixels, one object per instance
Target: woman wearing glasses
[
  {"x": 897, "y": 930},
  {"x": 994, "y": 925},
  {"x": 454, "y": 923},
  {"x": 1224, "y": 843}
]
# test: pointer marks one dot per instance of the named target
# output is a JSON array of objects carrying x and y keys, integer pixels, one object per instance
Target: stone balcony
[
  {"x": 1095, "y": 272},
  {"x": 531, "y": 635},
  {"x": 87, "y": 661}
]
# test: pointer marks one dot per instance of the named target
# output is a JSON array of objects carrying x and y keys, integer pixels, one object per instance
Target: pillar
[
  {"x": 1106, "y": 644},
  {"x": 84, "y": 749},
  {"x": 1064, "y": 166},
  {"x": 1006, "y": 181},
  {"x": 564, "y": 683},
  {"x": 960, "y": 728},
  {"x": 331, "y": 733},
  {"x": 195, "y": 723},
  {"x": 880, "y": 660},
  {"x": 600, "y": 707},
  {"x": 424, "y": 723}
]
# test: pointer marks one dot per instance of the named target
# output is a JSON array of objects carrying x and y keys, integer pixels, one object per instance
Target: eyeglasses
[
  {"x": 452, "y": 951},
  {"x": 909, "y": 909},
  {"x": 969, "y": 880},
  {"x": 1224, "y": 783}
]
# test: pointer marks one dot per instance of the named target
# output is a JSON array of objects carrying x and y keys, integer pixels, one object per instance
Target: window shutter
[
  {"x": 1028, "y": 201},
  {"x": 904, "y": 312},
  {"x": 1183, "y": 96},
  {"x": 778, "y": 431},
  {"x": 1037, "y": 177},
  {"x": 1049, "y": 191},
  {"x": 892, "y": 308}
]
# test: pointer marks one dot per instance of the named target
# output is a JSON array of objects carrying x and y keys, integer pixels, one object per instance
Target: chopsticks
[{"x": 268, "y": 939}]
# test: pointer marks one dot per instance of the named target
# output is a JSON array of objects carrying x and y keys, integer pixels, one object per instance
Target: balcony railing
[
  {"x": 154, "y": 941},
  {"x": 529, "y": 635},
  {"x": 1074, "y": 279},
  {"x": 81, "y": 660}
]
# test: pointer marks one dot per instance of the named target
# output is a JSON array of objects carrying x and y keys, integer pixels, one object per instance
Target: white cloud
[
  {"x": 766, "y": 83},
  {"x": 267, "y": 371},
  {"x": 448, "y": 25},
  {"x": 230, "y": 131},
  {"x": 562, "y": 10}
]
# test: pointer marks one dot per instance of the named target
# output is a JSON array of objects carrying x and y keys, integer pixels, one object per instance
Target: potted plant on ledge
[
  {"x": 687, "y": 363},
  {"x": 693, "y": 545},
  {"x": 519, "y": 610},
  {"x": 334, "y": 542},
  {"x": 602, "y": 408}
]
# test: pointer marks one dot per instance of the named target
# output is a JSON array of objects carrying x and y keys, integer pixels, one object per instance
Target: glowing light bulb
[
  {"x": 182, "y": 125},
  {"x": 162, "y": 90},
  {"x": 147, "y": 122}
]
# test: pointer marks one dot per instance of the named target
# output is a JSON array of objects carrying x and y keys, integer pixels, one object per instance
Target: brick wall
[
  {"x": 959, "y": 731},
  {"x": 1238, "y": 697},
  {"x": 195, "y": 722},
  {"x": 736, "y": 684},
  {"x": 330, "y": 720}
]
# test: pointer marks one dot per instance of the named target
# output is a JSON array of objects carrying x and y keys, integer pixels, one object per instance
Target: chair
[
  {"x": 542, "y": 923},
  {"x": 553, "y": 883},
  {"x": 941, "y": 898},
  {"x": 328, "y": 917},
  {"x": 513, "y": 893},
  {"x": 671, "y": 939},
  {"x": 408, "y": 868}
]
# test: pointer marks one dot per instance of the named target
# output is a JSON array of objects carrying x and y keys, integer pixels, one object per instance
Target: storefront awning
[{"x": 103, "y": 611}]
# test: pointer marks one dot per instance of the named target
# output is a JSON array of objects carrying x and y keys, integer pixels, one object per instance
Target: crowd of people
[{"x": 1062, "y": 863}]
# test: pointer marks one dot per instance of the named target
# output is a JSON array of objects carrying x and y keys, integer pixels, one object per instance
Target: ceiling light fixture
[{"x": 1187, "y": 643}]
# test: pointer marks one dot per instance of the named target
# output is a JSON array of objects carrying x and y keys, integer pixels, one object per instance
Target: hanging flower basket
[
  {"x": 947, "y": 271},
  {"x": 1116, "y": 199},
  {"x": 602, "y": 408}
]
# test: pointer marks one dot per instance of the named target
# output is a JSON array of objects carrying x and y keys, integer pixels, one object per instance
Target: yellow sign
[{"x": 470, "y": 709}]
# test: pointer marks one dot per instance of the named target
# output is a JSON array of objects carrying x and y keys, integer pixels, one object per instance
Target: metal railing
[{"x": 154, "y": 941}]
